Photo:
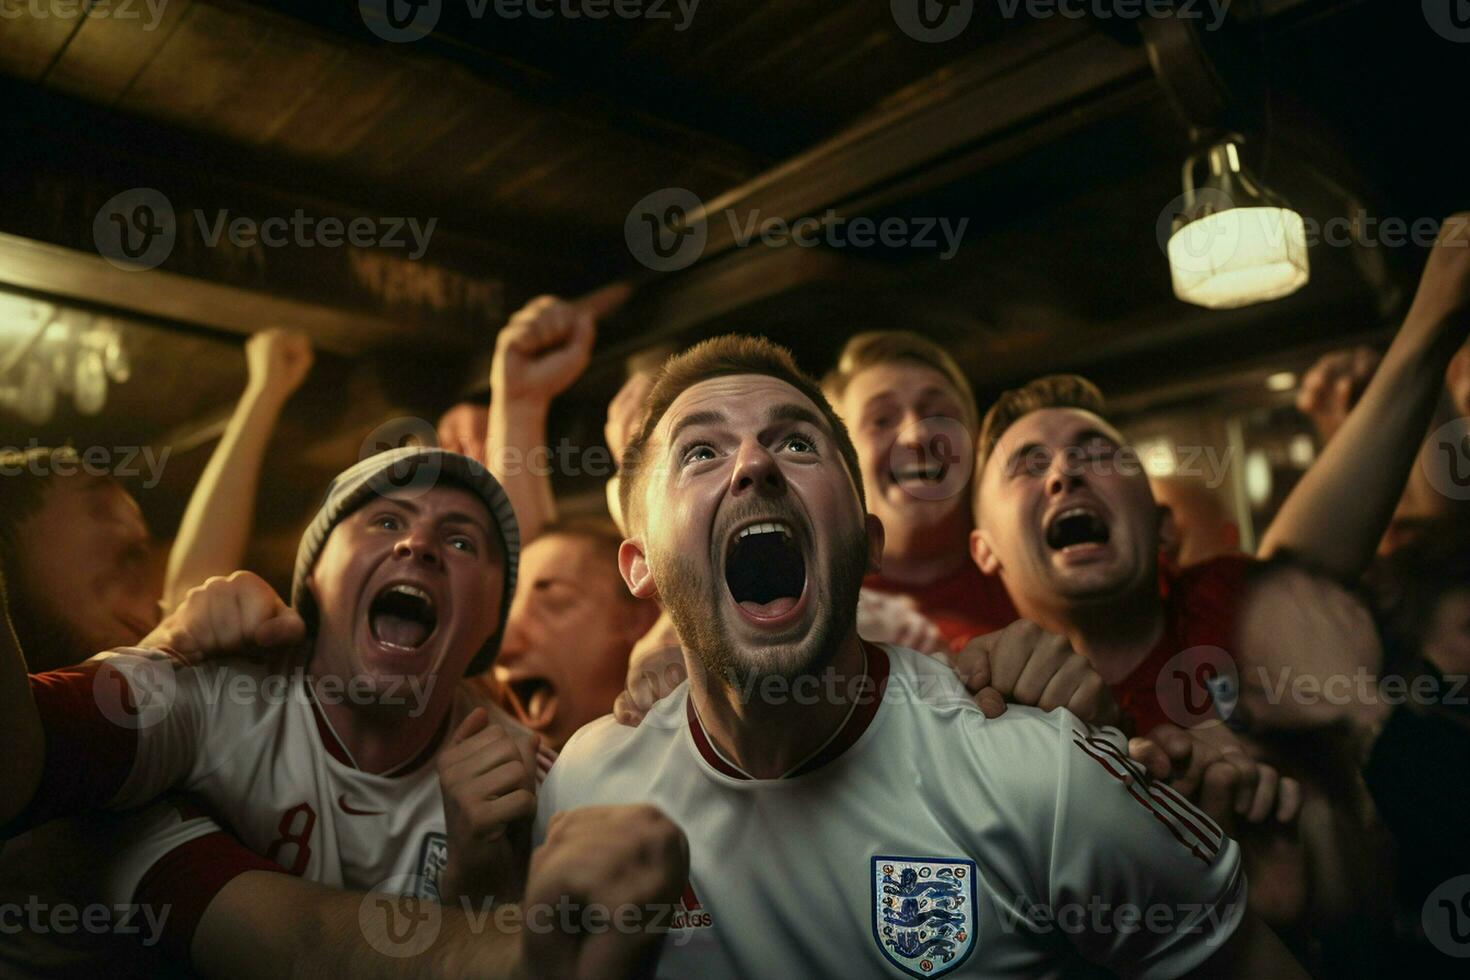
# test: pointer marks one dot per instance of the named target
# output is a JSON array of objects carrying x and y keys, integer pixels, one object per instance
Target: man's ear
[
  {"x": 875, "y": 543},
  {"x": 985, "y": 559},
  {"x": 633, "y": 566}
]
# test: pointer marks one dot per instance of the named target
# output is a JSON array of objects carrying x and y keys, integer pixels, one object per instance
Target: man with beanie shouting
[
  {"x": 363, "y": 764},
  {"x": 850, "y": 811}
]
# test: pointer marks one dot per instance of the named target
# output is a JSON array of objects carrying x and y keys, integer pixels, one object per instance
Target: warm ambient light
[
  {"x": 1235, "y": 243},
  {"x": 47, "y": 350},
  {"x": 1281, "y": 381}
]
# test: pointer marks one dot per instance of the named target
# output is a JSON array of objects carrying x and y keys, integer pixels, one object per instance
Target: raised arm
[
  {"x": 216, "y": 525},
  {"x": 1333, "y": 518},
  {"x": 538, "y": 354}
]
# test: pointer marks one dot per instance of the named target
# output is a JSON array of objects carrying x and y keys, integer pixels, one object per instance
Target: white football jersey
[
  {"x": 245, "y": 741},
  {"x": 251, "y": 742},
  {"x": 923, "y": 838}
]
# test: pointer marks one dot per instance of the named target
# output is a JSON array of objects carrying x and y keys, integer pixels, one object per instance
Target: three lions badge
[{"x": 924, "y": 912}]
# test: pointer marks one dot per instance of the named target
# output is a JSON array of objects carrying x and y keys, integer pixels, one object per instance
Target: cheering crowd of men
[{"x": 813, "y": 697}]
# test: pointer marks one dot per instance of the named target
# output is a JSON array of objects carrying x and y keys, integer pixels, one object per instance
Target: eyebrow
[
  {"x": 1076, "y": 439},
  {"x": 457, "y": 517},
  {"x": 707, "y": 417},
  {"x": 1087, "y": 434},
  {"x": 791, "y": 412},
  {"x": 1020, "y": 452}
]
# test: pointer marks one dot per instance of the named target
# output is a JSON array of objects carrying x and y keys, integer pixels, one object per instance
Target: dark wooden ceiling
[{"x": 529, "y": 140}]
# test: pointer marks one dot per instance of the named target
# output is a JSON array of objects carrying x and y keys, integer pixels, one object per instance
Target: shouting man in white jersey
[
  {"x": 363, "y": 765},
  {"x": 849, "y": 811}
]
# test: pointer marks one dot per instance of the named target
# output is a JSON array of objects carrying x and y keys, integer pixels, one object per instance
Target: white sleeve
[
  {"x": 169, "y": 709},
  {"x": 130, "y": 844},
  {"x": 1141, "y": 881},
  {"x": 551, "y": 797}
]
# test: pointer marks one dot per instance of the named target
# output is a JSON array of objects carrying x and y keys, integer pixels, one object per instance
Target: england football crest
[
  {"x": 433, "y": 855},
  {"x": 924, "y": 912}
]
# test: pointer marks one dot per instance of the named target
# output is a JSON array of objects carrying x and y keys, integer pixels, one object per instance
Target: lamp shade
[{"x": 1235, "y": 243}]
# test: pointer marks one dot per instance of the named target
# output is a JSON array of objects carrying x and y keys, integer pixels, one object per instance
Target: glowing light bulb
[{"x": 1234, "y": 243}]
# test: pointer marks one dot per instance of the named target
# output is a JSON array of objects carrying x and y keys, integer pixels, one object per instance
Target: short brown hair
[
  {"x": 876, "y": 347},
  {"x": 1052, "y": 391},
  {"x": 601, "y": 532},
  {"x": 721, "y": 357}
]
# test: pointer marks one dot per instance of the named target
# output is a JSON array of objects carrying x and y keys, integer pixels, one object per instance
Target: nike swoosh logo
[{"x": 347, "y": 808}]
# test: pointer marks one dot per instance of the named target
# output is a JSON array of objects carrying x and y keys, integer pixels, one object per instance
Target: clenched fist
[
  {"x": 1333, "y": 385},
  {"x": 547, "y": 344},
  {"x": 1444, "y": 291},
  {"x": 613, "y": 858},
  {"x": 278, "y": 361},
  {"x": 488, "y": 780},
  {"x": 238, "y": 614}
]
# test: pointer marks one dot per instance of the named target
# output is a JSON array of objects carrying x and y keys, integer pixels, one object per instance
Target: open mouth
[
  {"x": 402, "y": 617},
  {"x": 1076, "y": 526},
  {"x": 535, "y": 699},
  {"x": 765, "y": 570},
  {"x": 923, "y": 475}
]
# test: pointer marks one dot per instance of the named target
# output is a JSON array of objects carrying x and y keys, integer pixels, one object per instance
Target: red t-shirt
[
  {"x": 1200, "y": 606},
  {"x": 962, "y": 605}
]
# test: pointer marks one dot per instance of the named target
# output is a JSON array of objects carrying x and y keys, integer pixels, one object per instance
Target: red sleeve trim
[
  {"x": 88, "y": 756},
  {"x": 186, "y": 879}
]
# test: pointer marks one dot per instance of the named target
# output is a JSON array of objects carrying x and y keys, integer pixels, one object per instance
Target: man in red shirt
[
  {"x": 1066, "y": 518},
  {"x": 912, "y": 417}
]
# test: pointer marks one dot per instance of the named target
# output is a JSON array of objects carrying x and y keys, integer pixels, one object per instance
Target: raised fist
[
  {"x": 1333, "y": 385},
  {"x": 547, "y": 344},
  {"x": 1444, "y": 291},
  {"x": 238, "y": 614},
  {"x": 278, "y": 361}
]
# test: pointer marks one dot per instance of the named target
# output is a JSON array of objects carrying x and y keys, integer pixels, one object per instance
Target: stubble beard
[{"x": 694, "y": 601}]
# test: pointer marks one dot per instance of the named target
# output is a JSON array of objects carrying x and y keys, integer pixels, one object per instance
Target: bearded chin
[{"x": 694, "y": 602}]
